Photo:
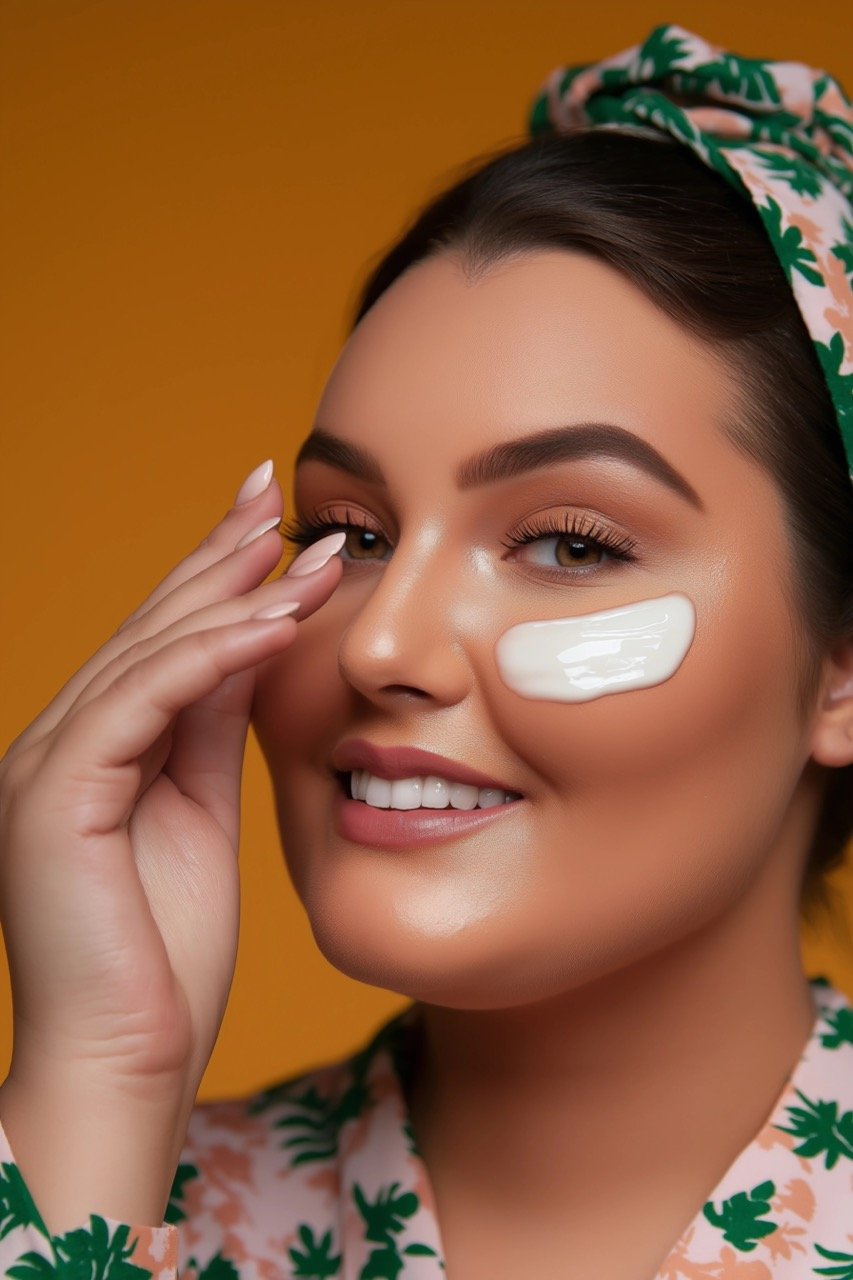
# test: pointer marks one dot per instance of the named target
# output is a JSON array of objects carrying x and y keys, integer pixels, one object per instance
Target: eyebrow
[{"x": 516, "y": 457}]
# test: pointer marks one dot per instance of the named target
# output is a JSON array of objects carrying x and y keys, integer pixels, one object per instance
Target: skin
[{"x": 622, "y": 945}]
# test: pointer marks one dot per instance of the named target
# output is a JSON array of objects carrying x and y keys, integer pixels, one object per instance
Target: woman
[{"x": 558, "y": 706}]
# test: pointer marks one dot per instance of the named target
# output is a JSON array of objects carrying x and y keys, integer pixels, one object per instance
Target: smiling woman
[
  {"x": 613, "y": 198},
  {"x": 553, "y": 409},
  {"x": 560, "y": 743}
]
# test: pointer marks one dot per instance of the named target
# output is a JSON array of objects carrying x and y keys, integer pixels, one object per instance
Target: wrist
[{"x": 88, "y": 1144}]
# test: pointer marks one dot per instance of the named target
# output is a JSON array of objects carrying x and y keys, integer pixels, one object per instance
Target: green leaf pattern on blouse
[
  {"x": 96, "y": 1252},
  {"x": 353, "y": 1201},
  {"x": 315, "y": 1259},
  {"x": 743, "y": 1217},
  {"x": 821, "y": 1131},
  {"x": 16, "y": 1205},
  {"x": 843, "y": 1268}
]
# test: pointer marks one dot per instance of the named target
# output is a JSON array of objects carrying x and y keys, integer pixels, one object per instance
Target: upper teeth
[{"x": 423, "y": 793}]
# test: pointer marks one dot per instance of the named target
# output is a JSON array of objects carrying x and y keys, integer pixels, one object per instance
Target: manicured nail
[
  {"x": 256, "y": 533},
  {"x": 255, "y": 483},
  {"x": 277, "y": 610},
  {"x": 318, "y": 554}
]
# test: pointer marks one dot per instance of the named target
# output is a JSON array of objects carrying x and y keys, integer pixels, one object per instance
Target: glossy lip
[
  {"x": 394, "y": 763},
  {"x": 409, "y": 828}
]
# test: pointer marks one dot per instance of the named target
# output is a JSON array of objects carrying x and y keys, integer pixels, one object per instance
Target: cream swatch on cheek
[{"x": 577, "y": 659}]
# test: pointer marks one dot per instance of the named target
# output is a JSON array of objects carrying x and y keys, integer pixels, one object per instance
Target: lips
[{"x": 407, "y": 762}]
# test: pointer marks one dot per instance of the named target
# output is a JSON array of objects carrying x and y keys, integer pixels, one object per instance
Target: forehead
[{"x": 536, "y": 342}]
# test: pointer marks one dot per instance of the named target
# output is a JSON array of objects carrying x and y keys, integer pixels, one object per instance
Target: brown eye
[
  {"x": 571, "y": 542},
  {"x": 574, "y": 551},
  {"x": 365, "y": 544}
]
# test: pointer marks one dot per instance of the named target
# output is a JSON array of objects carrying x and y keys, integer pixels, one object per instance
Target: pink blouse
[{"x": 320, "y": 1177}]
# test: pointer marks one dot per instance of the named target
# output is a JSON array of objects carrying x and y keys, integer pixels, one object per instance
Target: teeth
[
  {"x": 406, "y": 793},
  {"x": 463, "y": 797},
  {"x": 363, "y": 779},
  {"x": 489, "y": 797},
  {"x": 424, "y": 793},
  {"x": 378, "y": 794},
  {"x": 436, "y": 793}
]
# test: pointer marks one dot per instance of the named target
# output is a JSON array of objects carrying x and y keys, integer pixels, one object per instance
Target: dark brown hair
[{"x": 653, "y": 210}]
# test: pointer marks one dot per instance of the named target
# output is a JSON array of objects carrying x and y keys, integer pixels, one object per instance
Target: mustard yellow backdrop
[{"x": 192, "y": 190}]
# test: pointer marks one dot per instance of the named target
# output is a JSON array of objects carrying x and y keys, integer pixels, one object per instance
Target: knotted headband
[{"x": 780, "y": 132}]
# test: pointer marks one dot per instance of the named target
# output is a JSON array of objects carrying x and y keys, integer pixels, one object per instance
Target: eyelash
[
  {"x": 574, "y": 526},
  {"x": 302, "y": 531}
]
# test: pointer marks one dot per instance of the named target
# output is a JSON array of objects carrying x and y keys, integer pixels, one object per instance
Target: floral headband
[{"x": 780, "y": 132}]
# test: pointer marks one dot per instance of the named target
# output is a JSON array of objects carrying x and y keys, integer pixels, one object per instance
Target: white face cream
[{"x": 577, "y": 659}]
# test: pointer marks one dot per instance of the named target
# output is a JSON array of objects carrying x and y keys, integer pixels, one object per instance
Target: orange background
[{"x": 193, "y": 190}]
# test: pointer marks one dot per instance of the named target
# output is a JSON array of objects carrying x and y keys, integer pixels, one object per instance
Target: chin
[
  {"x": 473, "y": 927},
  {"x": 478, "y": 968}
]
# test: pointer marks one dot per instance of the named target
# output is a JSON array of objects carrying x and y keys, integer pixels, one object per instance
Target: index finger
[
  {"x": 237, "y": 521},
  {"x": 220, "y": 541}
]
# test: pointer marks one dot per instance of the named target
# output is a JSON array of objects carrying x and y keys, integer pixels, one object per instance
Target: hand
[{"x": 119, "y": 823}]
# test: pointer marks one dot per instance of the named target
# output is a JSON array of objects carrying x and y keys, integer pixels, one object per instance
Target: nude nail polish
[
  {"x": 318, "y": 554},
  {"x": 256, "y": 533},
  {"x": 255, "y": 483}
]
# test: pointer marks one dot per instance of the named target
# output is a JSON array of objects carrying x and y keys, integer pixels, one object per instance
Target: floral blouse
[{"x": 320, "y": 1177}]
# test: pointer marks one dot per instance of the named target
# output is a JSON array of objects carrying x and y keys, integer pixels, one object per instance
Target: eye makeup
[
  {"x": 573, "y": 537},
  {"x": 364, "y": 537},
  {"x": 577, "y": 659}
]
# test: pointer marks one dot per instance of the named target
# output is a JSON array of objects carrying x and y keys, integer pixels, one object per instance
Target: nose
[{"x": 405, "y": 641}]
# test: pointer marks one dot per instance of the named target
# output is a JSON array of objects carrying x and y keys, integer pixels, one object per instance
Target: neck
[{"x": 675, "y": 1060}]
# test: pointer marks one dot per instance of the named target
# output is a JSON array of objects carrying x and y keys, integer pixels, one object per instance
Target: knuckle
[
  {"x": 133, "y": 675},
  {"x": 134, "y": 624},
  {"x": 133, "y": 652}
]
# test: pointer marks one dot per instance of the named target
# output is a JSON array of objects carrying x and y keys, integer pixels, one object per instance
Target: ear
[{"x": 832, "y": 736}]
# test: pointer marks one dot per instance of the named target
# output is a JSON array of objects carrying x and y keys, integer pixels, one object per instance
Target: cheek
[
  {"x": 581, "y": 658},
  {"x": 649, "y": 809},
  {"x": 653, "y": 808},
  {"x": 698, "y": 735}
]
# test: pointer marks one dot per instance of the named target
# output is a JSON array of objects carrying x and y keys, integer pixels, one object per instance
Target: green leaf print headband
[{"x": 780, "y": 132}]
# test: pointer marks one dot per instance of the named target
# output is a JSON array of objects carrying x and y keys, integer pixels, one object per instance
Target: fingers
[
  {"x": 206, "y": 756},
  {"x": 244, "y": 570},
  {"x": 309, "y": 592},
  {"x": 233, "y": 574},
  {"x": 266, "y": 503},
  {"x": 90, "y": 770}
]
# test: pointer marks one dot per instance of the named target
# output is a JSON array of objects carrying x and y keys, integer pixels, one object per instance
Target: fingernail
[
  {"x": 255, "y": 483},
  {"x": 318, "y": 554},
  {"x": 277, "y": 610},
  {"x": 256, "y": 533}
]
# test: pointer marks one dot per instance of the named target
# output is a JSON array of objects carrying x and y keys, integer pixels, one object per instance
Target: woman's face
[{"x": 644, "y": 813}]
